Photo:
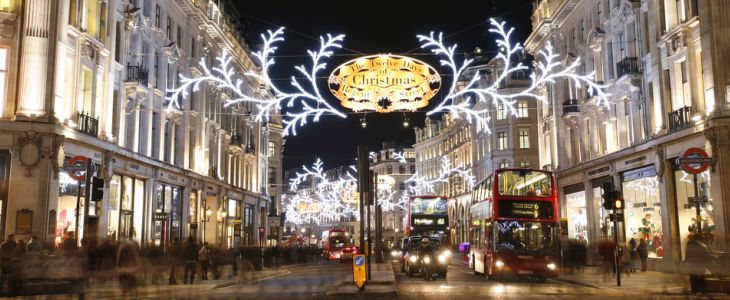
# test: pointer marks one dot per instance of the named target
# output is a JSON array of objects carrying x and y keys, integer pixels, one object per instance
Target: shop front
[
  {"x": 126, "y": 207},
  {"x": 687, "y": 213},
  {"x": 643, "y": 212},
  {"x": 68, "y": 214},
  {"x": 576, "y": 212},
  {"x": 166, "y": 220}
]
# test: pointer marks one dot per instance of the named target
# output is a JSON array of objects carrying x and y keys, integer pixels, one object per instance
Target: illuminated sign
[
  {"x": 385, "y": 182},
  {"x": 525, "y": 209},
  {"x": 384, "y": 83},
  {"x": 308, "y": 208},
  {"x": 429, "y": 221}
]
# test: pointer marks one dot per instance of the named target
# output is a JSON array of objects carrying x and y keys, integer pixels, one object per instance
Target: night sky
[{"x": 371, "y": 27}]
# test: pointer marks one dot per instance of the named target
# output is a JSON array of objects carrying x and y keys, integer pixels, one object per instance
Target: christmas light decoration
[
  {"x": 458, "y": 100},
  {"x": 310, "y": 98},
  {"x": 398, "y": 156},
  {"x": 421, "y": 186},
  {"x": 325, "y": 197}
]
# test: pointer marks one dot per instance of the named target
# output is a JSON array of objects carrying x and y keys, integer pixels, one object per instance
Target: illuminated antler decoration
[
  {"x": 326, "y": 196},
  {"x": 307, "y": 93},
  {"x": 458, "y": 101},
  {"x": 420, "y": 185}
]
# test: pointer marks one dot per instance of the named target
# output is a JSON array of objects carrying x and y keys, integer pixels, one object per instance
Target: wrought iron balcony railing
[
  {"x": 680, "y": 118},
  {"x": 628, "y": 65},
  {"x": 87, "y": 124},
  {"x": 570, "y": 106},
  {"x": 138, "y": 74},
  {"x": 236, "y": 139}
]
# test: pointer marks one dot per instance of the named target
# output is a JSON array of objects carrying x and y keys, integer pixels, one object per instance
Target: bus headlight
[
  {"x": 393, "y": 253},
  {"x": 499, "y": 264},
  {"x": 427, "y": 260},
  {"x": 413, "y": 259},
  {"x": 551, "y": 266},
  {"x": 447, "y": 253},
  {"x": 442, "y": 258}
]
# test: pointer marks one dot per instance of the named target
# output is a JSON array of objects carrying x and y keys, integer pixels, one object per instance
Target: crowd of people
[{"x": 129, "y": 264}]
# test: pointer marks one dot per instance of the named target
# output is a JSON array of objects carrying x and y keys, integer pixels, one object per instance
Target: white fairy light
[
  {"x": 420, "y": 185},
  {"x": 326, "y": 196},
  {"x": 306, "y": 93},
  {"x": 458, "y": 101},
  {"x": 398, "y": 156}
]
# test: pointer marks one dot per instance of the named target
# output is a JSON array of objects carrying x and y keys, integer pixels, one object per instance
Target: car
[
  {"x": 411, "y": 261},
  {"x": 348, "y": 252}
]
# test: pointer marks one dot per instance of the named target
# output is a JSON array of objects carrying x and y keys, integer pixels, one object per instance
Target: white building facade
[
  {"x": 668, "y": 83},
  {"x": 89, "y": 78},
  {"x": 392, "y": 174}
]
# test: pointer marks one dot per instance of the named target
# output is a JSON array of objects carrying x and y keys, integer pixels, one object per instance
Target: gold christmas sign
[{"x": 384, "y": 83}]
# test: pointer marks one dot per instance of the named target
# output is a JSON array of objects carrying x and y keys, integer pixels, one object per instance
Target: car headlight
[
  {"x": 413, "y": 259},
  {"x": 551, "y": 266},
  {"x": 447, "y": 253},
  {"x": 499, "y": 264},
  {"x": 427, "y": 260},
  {"x": 442, "y": 258},
  {"x": 394, "y": 253}
]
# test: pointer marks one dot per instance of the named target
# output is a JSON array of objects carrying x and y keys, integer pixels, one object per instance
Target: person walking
[
  {"x": 643, "y": 253},
  {"x": 605, "y": 250},
  {"x": 173, "y": 255},
  {"x": 633, "y": 254},
  {"x": 6, "y": 254},
  {"x": 696, "y": 263},
  {"x": 204, "y": 256},
  {"x": 128, "y": 264},
  {"x": 190, "y": 257}
]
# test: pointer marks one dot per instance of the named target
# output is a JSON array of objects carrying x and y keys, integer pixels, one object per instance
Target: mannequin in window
[{"x": 646, "y": 226}]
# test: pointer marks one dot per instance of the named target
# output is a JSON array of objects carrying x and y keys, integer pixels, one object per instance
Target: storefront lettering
[
  {"x": 599, "y": 170},
  {"x": 634, "y": 160}
]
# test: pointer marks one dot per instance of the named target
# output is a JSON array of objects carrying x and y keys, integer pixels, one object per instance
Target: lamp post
[{"x": 205, "y": 220}]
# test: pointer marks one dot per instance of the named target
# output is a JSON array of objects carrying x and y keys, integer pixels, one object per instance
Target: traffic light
[
  {"x": 618, "y": 200},
  {"x": 607, "y": 196},
  {"x": 97, "y": 189}
]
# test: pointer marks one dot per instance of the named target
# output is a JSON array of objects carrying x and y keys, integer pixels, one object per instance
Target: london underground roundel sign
[
  {"x": 384, "y": 83},
  {"x": 694, "y": 160}
]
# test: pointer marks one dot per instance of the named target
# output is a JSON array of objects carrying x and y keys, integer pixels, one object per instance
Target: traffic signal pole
[{"x": 616, "y": 257}]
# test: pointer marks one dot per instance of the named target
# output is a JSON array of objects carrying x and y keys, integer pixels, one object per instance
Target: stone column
[
  {"x": 34, "y": 94},
  {"x": 718, "y": 136}
]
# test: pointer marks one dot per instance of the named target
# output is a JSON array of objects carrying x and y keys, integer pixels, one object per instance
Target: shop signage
[
  {"x": 428, "y": 221},
  {"x": 76, "y": 167},
  {"x": 599, "y": 170},
  {"x": 193, "y": 226},
  {"x": 694, "y": 160},
  {"x": 384, "y": 83},
  {"x": 634, "y": 160},
  {"x": 644, "y": 172},
  {"x": 700, "y": 199},
  {"x": 160, "y": 217}
]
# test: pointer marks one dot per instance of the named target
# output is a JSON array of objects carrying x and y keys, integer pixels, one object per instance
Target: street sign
[
  {"x": 701, "y": 199},
  {"x": 76, "y": 167},
  {"x": 694, "y": 160},
  {"x": 358, "y": 271}
]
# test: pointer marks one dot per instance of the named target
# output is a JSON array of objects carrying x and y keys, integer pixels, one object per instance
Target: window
[
  {"x": 524, "y": 138},
  {"x": 525, "y": 164},
  {"x": 169, "y": 28},
  {"x": 401, "y": 169},
  {"x": 522, "y": 111},
  {"x": 192, "y": 47},
  {"x": 502, "y": 140},
  {"x": 86, "y": 100},
  {"x": 500, "y": 112},
  {"x": 72, "y": 12},
  {"x": 157, "y": 16},
  {"x": 413, "y": 169},
  {"x": 3, "y": 79},
  {"x": 390, "y": 169},
  {"x": 525, "y": 183},
  {"x": 504, "y": 164},
  {"x": 271, "y": 149}
]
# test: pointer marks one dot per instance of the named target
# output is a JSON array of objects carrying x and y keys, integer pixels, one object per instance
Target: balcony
[
  {"x": 137, "y": 74},
  {"x": 250, "y": 149},
  {"x": 629, "y": 65},
  {"x": 236, "y": 139},
  {"x": 570, "y": 106},
  {"x": 87, "y": 124},
  {"x": 680, "y": 118}
]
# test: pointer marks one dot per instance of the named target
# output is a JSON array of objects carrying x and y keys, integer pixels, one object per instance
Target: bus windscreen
[{"x": 429, "y": 206}]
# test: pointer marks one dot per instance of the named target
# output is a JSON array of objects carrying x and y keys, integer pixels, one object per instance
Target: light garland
[
  {"x": 420, "y": 185},
  {"x": 311, "y": 100},
  {"x": 325, "y": 196},
  {"x": 458, "y": 101}
]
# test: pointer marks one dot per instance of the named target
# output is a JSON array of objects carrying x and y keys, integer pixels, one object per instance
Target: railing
[
  {"x": 138, "y": 74},
  {"x": 680, "y": 118},
  {"x": 570, "y": 106},
  {"x": 87, "y": 124},
  {"x": 250, "y": 148},
  {"x": 628, "y": 65},
  {"x": 236, "y": 139}
]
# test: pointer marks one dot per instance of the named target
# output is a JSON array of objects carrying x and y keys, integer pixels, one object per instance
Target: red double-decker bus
[
  {"x": 429, "y": 216},
  {"x": 513, "y": 225}
]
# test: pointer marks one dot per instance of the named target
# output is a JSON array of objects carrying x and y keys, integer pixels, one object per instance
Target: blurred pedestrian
[
  {"x": 204, "y": 256},
  {"x": 34, "y": 246},
  {"x": 128, "y": 264},
  {"x": 16, "y": 268},
  {"x": 643, "y": 253},
  {"x": 174, "y": 257},
  {"x": 6, "y": 253},
  {"x": 697, "y": 262},
  {"x": 633, "y": 255},
  {"x": 605, "y": 251},
  {"x": 190, "y": 256}
]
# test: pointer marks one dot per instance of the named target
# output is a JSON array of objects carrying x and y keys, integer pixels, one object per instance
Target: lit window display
[
  {"x": 605, "y": 225},
  {"x": 577, "y": 216},
  {"x": 168, "y": 207},
  {"x": 68, "y": 190},
  {"x": 126, "y": 198},
  {"x": 687, "y": 213},
  {"x": 643, "y": 216}
]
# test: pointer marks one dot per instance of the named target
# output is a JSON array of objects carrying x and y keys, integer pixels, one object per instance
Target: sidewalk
[
  {"x": 381, "y": 284},
  {"x": 649, "y": 282}
]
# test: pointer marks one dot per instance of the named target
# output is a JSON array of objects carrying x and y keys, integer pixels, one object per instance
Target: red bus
[
  {"x": 336, "y": 240},
  {"x": 513, "y": 226},
  {"x": 429, "y": 216}
]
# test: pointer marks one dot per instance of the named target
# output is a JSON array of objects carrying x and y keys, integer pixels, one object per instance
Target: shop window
[
  {"x": 577, "y": 216},
  {"x": 643, "y": 215},
  {"x": 604, "y": 224},
  {"x": 3, "y": 79},
  {"x": 687, "y": 212}
]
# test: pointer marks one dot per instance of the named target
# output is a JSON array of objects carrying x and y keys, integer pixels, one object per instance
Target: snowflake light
[
  {"x": 458, "y": 101},
  {"x": 306, "y": 93}
]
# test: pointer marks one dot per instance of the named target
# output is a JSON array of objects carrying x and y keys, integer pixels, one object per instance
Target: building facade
[
  {"x": 90, "y": 78},
  {"x": 392, "y": 173},
  {"x": 667, "y": 77}
]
